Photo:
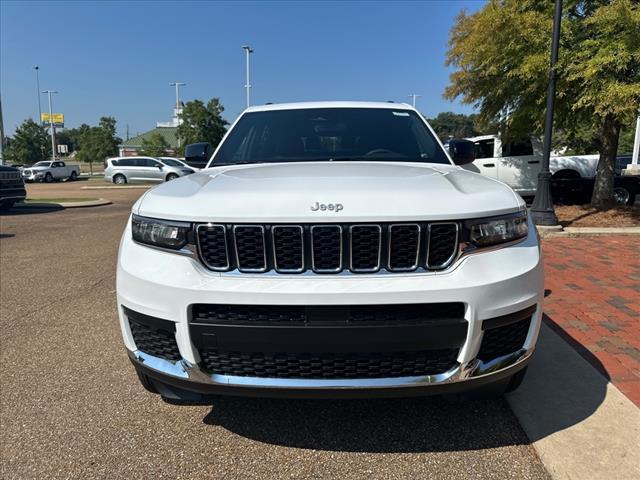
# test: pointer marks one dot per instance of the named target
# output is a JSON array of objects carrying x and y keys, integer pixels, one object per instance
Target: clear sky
[{"x": 117, "y": 58}]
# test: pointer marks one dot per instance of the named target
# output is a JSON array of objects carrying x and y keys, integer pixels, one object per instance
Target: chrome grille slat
[{"x": 328, "y": 248}]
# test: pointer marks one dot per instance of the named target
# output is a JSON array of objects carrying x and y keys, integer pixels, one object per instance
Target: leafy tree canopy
[
  {"x": 501, "y": 57},
  {"x": 95, "y": 144},
  {"x": 202, "y": 123},
  {"x": 455, "y": 125},
  {"x": 155, "y": 146},
  {"x": 29, "y": 144}
]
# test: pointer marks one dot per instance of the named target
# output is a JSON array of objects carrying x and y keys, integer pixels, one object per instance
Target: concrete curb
[
  {"x": 549, "y": 232},
  {"x": 581, "y": 425},
  {"x": 88, "y": 203},
  {"x": 116, "y": 187}
]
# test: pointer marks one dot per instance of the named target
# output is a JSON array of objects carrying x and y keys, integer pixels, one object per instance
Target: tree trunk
[{"x": 603, "y": 188}]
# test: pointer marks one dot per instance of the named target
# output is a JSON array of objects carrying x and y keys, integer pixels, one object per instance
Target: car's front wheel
[
  {"x": 622, "y": 196},
  {"x": 48, "y": 178},
  {"x": 119, "y": 179},
  {"x": 171, "y": 176},
  {"x": 73, "y": 177}
]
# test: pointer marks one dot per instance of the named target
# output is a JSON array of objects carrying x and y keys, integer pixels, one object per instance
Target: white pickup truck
[
  {"x": 50, "y": 171},
  {"x": 330, "y": 249},
  {"x": 518, "y": 163}
]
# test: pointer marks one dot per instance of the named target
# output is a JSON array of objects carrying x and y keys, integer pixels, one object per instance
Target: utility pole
[
  {"x": 37, "y": 69},
  {"x": 542, "y": 210},
  {"x": 413, "y": 96},
  {"x": 53, "y": 131},
  {"x": 127, "y": 135},
  {"x": 248, "y": 50},
  {"x": 1, "y": 136}
]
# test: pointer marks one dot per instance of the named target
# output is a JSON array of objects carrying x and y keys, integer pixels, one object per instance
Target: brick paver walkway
[{"x": 593, "y": 300}]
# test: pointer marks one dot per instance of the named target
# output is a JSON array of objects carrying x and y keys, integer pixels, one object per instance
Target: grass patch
[{"x": 59, "y": 200}]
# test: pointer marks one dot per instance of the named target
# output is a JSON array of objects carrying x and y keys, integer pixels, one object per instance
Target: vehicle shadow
[
  {"x": 33, "y": 209},
  {"x": 429, "y": 424}
]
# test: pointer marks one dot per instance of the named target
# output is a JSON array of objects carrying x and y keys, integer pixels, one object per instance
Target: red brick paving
[{"x": 593, "y": 300}]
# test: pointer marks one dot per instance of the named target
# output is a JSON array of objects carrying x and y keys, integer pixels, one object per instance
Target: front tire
[
  {"x": 622, "y": 196},
  {"x": 171, "y": 176},
  {"x": 119, "y": 179},
  {"x": 73, "y": 177},
  {"x": 48, "y": 178}
]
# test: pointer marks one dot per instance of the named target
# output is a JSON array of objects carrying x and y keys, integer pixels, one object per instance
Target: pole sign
[{"x": 58, "y": 120}]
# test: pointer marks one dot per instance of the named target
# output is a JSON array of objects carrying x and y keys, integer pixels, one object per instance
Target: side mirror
[
  {"x": 462, "y": 152},
  {"x": 160, "y": 167},
  {"x": 197, "y": 154}
]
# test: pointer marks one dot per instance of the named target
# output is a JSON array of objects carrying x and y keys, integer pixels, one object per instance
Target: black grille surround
[
  {"x": 328, "y": 248},
  {"x": 329, "y": 366}
]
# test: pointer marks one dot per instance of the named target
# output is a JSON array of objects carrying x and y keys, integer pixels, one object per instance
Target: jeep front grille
[{"x": 326, "y": 248}]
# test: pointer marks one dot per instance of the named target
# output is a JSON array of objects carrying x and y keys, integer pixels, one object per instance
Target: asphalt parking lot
[{"x": 72, "y": 406}]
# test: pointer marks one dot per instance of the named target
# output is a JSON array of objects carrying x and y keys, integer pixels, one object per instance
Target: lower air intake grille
[
  {"x": 329, "y": 366},
  {"x": 154, "y": 336},
  {"x": 500, "y": 341}
]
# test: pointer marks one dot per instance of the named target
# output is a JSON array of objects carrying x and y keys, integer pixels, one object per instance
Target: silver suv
[{"x": 121, "y": 170}]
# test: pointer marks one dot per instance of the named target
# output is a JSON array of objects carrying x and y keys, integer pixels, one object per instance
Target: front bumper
[{"x": 491, "y": 284}]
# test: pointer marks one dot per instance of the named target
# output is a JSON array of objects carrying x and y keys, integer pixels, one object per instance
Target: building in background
[{"x": 168, "y": 130}]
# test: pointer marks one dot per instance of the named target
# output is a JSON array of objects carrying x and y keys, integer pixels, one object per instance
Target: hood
[{"x": 366, "y": 191}]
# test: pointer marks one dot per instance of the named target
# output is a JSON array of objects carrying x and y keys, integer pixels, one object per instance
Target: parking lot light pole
[
  {"x": 53, "y": 131},
  {"x": 37, "y": 69},
  {"x": 413, "y": 96},
  {"x": 542, "y": 211},
  {"x": 248, "y": 51}
]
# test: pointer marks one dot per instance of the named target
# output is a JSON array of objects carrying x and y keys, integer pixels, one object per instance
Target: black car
[{"x": 11, "y": 187}]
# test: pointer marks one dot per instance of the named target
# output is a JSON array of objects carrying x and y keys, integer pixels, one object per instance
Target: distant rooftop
[{"x": 169, "y": 134}]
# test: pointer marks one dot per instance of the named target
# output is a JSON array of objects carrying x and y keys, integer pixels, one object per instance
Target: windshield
[
  {"x": 330, "y": 134},
  {"x": 42, "y": 164},
  {"x": 171, "y": 162}
]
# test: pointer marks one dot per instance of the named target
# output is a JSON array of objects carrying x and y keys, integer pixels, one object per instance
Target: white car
[
  {"x": 48, "y": 171},
  {"x": 176, "y": 162},
  {"x": 517, "y": 163},
  {"x": 330, "y": 249}
]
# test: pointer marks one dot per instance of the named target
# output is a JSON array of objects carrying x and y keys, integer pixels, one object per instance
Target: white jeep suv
[{"x": 330, "y": 249}]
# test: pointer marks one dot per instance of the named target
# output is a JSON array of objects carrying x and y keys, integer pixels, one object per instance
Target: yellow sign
[{"x": 57, "y": 118}]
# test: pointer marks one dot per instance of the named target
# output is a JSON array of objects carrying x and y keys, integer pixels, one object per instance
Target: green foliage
[
  {"x": 501, "y": 56},
  {"x": 202, "y": 123},
  {"x": 29, "y": 144},
  {"x": 156, "y": 146},
  {"x": 455, "y": 125},
  {"x": 95, "y": 144}
]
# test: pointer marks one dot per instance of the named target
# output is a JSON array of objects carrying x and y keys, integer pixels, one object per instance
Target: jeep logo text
[{"x": 333, "y": 207}]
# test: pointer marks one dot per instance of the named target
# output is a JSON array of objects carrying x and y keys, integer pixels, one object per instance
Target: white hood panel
[{"x": 367, "y": 191}]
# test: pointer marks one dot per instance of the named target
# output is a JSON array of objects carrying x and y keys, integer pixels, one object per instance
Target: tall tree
[
  {"x": 95, "y": 144},
  {"x": 202, "y": 123},
  {"x": 30, "y": 144},
  {"x": 501, "y": 55},
  {"x": 155, "y": 146}
]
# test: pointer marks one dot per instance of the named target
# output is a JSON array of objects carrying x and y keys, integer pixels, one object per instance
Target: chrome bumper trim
[{"x": 183, "y": 369}]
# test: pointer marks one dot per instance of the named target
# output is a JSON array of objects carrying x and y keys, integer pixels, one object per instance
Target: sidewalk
[{"x": 593, "y": 301}]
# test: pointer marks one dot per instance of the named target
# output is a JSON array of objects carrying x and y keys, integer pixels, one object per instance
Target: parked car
[
  {"x": 330, "y": 249},
  {"x": 176, "y": 162},
  {"x": 11, "y": 187},
  {"x": 517, "y": 163},
  {"x": 121, "y": 170},
  {"x": 49, "y": 171}
]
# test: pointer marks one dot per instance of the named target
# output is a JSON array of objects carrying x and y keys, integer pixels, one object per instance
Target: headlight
[
  {"x": 160, "y": 233},
  {"x": 493, "y": 231}
]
